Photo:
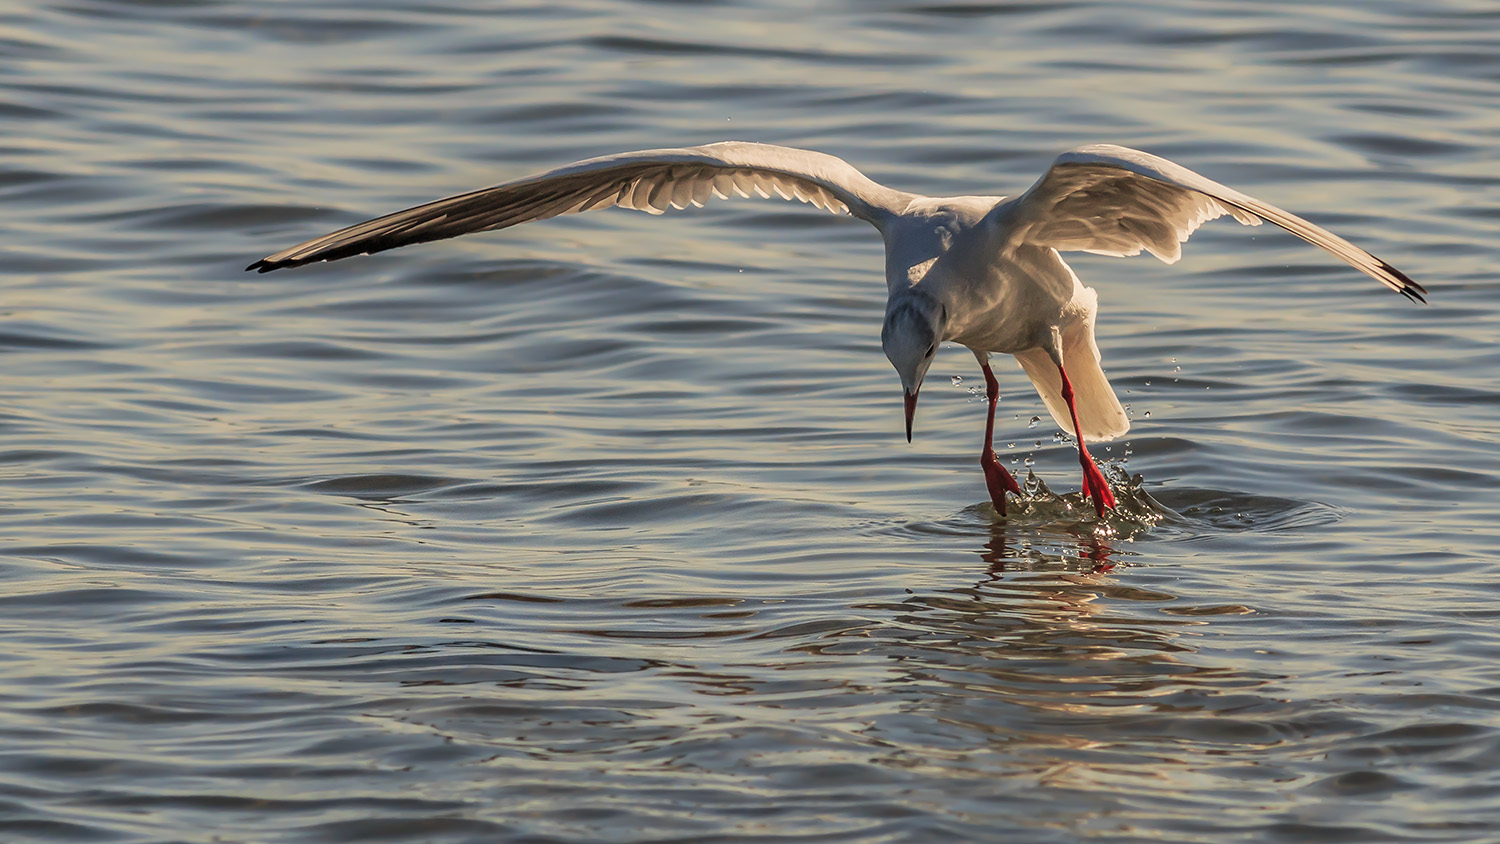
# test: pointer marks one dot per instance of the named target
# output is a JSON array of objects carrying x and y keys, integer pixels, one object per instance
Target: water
[{"x": 605, "y": 529}]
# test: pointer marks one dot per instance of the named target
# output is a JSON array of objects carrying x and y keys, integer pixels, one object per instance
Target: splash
[
  {"x": 1182, "y": 511},
  {"x": 1135, "y": 510}
]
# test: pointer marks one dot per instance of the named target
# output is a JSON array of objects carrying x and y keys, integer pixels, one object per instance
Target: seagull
[{"x": 980, "y": 271}]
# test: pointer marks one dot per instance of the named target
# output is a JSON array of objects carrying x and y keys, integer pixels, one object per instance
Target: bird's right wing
[
  {"x": 1114, "y": 200},
  {"x": 650, "y": 181}
]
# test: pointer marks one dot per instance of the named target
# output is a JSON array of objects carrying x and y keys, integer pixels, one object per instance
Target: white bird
[{"x": 981, "y": 271}]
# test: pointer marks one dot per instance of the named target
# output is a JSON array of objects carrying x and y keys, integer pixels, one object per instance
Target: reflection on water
[
  {"x": 1049, "y": 670},
  {"x": 606, "y": 529}
]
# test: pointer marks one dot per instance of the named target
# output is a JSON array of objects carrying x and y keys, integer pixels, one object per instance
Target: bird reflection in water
[{"x": 1003, "y": 550}]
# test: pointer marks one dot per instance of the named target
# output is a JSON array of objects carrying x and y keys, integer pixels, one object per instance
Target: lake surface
[{"x": 605, "y": 528}]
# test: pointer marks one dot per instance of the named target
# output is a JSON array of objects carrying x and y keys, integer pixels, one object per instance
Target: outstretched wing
[
  {"x": 650, "y": 181},
  {"x": 1112, "y": 200}
]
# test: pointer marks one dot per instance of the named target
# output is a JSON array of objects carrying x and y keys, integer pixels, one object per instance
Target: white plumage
[{"x": 983, "y": 271}]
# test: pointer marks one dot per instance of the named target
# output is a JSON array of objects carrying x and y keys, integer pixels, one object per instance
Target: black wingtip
[
  {"x": 1410, "y": 289},
  {"x": 260, "y": 266}
]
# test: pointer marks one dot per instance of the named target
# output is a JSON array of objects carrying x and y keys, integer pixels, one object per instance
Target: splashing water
[
  {"x": 1135, "y": 510},
  {"x": 974, "y": 392}
]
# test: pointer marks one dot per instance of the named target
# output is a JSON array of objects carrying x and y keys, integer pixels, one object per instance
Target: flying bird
[{"x": 980, "y": 271}]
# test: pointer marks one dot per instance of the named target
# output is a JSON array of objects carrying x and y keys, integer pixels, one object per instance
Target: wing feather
[
  {"x": 723, "y": 185},
  {"x": 1112, "y": 200},
  {"x": 703, "y": 191},
  {"x": 651, "y": 181}
]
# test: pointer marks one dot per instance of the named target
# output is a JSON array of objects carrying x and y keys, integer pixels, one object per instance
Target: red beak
[{"x": 911, "y": 409}]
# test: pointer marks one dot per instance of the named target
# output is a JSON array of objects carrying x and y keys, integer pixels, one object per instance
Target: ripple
[
  {"x": 1240, "y": 511},
  {"x": 382, "y": 487},
  {"x": 1181, "y": 512}
]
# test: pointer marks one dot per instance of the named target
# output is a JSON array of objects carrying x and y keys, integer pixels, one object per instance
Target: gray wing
[
  {"x": 650, "y": 181},
  {"x": 1113, "y": 200}
]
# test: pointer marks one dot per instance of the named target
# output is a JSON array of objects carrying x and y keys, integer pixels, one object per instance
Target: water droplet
[
  {"x": 1030, "y": 461},
  {"x": 1010, "y": 445},
  {"x": 957, "y": 379},
  {"x": 1148, "y": 414},
  {"x": 1148, "y": 383},
  {"x": 1174, "y": 360},
  {"x": 1033, "y": 422}
]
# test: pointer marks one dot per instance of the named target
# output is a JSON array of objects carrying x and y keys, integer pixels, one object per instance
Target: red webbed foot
[
  {"x": 998, "y": 480},
  {"x": 1095, "y": 486}
]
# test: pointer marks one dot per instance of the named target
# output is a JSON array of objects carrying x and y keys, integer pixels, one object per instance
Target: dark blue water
[{"x": 605, "y": 529}]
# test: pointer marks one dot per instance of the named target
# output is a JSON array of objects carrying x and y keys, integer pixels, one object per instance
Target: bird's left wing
[
  {"x": 651, "y": 181},
  {"x": 1113, "y": 200}
]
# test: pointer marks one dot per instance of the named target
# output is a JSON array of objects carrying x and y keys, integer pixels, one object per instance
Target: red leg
[
  {"x": 1094, "y": 485},
  {"x": 996, "y": 477}
]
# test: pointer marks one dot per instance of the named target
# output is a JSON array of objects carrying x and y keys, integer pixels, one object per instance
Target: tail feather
[{"x": 1099, "y": 412}]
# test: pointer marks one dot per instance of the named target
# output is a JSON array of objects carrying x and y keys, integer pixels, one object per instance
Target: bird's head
[{"x": 911, "y": 334}]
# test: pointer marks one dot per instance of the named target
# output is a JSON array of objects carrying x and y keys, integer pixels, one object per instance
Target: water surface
[{"x": 605, "y": 529}]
